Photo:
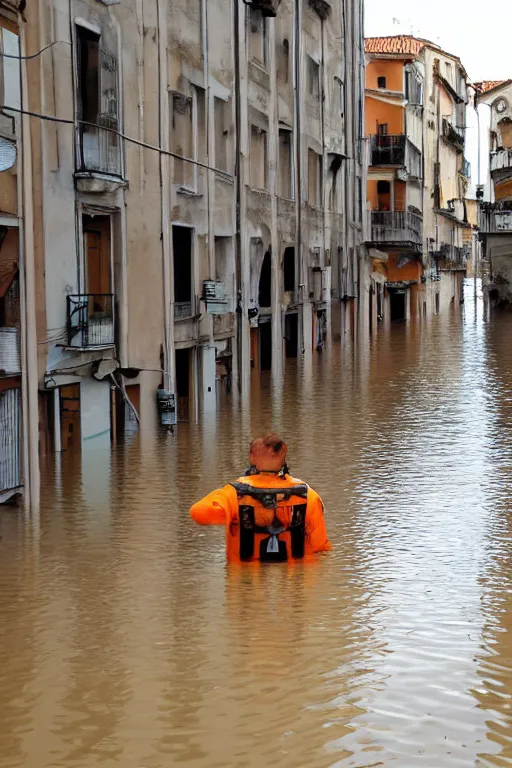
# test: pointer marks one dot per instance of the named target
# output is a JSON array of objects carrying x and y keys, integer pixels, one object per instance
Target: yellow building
[{"x": 416, "y": 96}]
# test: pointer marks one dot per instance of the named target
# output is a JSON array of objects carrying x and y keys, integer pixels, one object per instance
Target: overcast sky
[{"x": 479, "y": 33}]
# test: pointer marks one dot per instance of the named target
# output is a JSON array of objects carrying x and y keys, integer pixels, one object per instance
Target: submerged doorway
[
  {"x": 265, "y": 345},
  {"x": 397, "y": 306},
  {"x": 291, "y": 334},
  {"x": 183, "y": 381}
]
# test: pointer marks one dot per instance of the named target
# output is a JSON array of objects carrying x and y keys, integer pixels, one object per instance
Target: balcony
[
  {"x": 453, "y": 256},
  {"x": 501, "y": 160},
  {"x": 495, "y": 219},
  {"x": 454, "y": 135},
  {"x": 387, "y": 150},
  {"x": 396, "y": 228},
  {"x": 98, "y": 157},
  {"x": 9, "y": 352},
  {"x": 90, "y": 321}
]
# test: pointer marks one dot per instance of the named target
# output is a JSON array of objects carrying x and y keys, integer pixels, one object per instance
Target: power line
[
  {"x": 143, "y": 144},
  {"x": 34, "y": 55}
]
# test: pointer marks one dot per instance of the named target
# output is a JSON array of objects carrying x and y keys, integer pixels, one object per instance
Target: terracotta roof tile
[
  {"x": 397, "y": 44},
  {"x": 490, "y": 85}
]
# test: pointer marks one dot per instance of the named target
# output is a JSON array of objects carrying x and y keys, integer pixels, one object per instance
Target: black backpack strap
[
  {"x": 298, "y": 530},
  {"x": 246, "y": 529}
]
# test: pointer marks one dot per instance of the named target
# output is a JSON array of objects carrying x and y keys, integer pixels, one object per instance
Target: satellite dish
[{"x": 7, "y": 153}]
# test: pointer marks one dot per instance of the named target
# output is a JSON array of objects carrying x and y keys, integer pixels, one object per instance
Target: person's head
[{"x": 268, "y": 453}]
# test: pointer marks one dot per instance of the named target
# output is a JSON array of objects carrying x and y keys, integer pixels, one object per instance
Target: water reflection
[{"x": 125, "y": 639}]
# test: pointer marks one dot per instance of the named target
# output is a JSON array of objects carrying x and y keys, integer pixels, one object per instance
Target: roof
[
  {"x": 397, "y": 44},
  {"x": 404, "y": 45},
  {"x": 489, "y": 85}
]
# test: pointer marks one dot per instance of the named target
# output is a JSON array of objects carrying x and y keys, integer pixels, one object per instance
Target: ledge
[{"x": 98, "y": 183}]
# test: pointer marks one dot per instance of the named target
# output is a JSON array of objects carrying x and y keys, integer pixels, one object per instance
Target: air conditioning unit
[{"x": 214, "y": 297}]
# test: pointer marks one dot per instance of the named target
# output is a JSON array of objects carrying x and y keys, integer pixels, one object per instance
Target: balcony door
[
  {"x": 94, "y": 308},
  {"x": 97, "y": 271}
]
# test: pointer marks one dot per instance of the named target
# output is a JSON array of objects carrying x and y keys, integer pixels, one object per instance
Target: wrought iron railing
[
  {"x": 454, "y": 134},
  {"x": 99, "y": 149},
  {"x": 396, "y": 227},
  {"x": 90, "y": 320},
  {"x": 387, "y": 149}
]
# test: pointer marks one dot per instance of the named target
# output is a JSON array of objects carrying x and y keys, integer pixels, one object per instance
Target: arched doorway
[{"x": 265, "y": 321}]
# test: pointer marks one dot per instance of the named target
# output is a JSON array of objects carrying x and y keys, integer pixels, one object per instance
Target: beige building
[
  {"x": 182, "y": 204},
  {"x": 494, "y": 104},
  {"x": 420, "y": 235}
]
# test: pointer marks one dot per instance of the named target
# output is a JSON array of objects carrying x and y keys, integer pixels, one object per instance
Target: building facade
[
  {"x": 495, "y": 207},
  {"x": 186, "y": 200},
  {"x": 420, "y": 235}
]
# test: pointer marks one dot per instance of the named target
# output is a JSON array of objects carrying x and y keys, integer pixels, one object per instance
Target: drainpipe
[
  {"x": 298, "y": 171},
  {"x": 165, "y": 207},
  {"x": 239, "y": 308},
  {"x": 28, "y": 297}
]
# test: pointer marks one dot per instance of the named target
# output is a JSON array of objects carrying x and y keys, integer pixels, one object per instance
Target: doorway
[
  {"x": 70, "y": 431},
  {"x": 291, "y": 334},
  {"x": 182, "y": 268},
  {"x": 397, "y": 306},
  {"x": 266, "y": 346},
  {"x": 183, "y": 381},
  {"x": 265, "y": 285}
]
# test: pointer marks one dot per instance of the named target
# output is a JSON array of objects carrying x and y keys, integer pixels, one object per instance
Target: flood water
[{"x": 126, "y": 641}]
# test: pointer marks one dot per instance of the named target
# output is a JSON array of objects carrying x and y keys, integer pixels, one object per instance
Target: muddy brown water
[{"x": 126, "y": 641}]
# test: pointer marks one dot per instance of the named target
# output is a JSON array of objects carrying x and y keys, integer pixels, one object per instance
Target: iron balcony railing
[
  {"x": 495, "y": 218},
  {"x": 454, "y": 134},
  {"x": 387, "y": 150},
  {"x": 501, "y": 160},
  {"x": 395, "y": 227},
  {"x": 90, "y": 320},
  {"x": 99, "y": 149}
]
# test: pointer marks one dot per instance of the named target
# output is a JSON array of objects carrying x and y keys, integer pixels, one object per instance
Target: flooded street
[{"x": 126, "y": 641}]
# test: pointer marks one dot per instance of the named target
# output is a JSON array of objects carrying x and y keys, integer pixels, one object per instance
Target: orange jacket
[{"x": 221, "y": 507}]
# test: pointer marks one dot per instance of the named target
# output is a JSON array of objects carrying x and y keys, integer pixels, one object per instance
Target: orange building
[{"x": 417, "y": 175}]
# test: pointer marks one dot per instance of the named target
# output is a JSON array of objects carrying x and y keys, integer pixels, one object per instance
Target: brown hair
[{"x": 268, "y": 451}]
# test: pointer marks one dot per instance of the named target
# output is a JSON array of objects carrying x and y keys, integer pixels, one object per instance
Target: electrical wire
[
  {"x": 34, "y": 55},
  {"x": 143, "y": 144}
]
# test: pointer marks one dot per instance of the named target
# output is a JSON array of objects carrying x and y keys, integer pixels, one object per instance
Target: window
[
  {"x": 382, "y": 129},
  {"x": 225, "y": 265},
  {"x": 259, "y": 158},
  {"x": 381, "y": 82},
  {"x": 182, "y": 270},
  {"x": 313, "y": 78},
  {"x": 283, "y": 62},
  {"x": 258, "y": 37},
  {"x": 359, "y": 199},
  {"x": 9, "y": 80},
  {"x": 222, "y": 124},
  {"x": 285, "y": 180},
  {"x": 383, "y": 187},
  {"x": 314, "y": 178},
  {"x": 448, "y": 70},
  {"x": 188, "y": 134},
  {"x": 182, "y": 139},
  {"x": 97, "y": 103},
  {"x": 339, "y": 96}
]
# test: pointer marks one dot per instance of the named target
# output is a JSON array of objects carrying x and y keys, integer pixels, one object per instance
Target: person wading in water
[{"x": 269, "y": 516}]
